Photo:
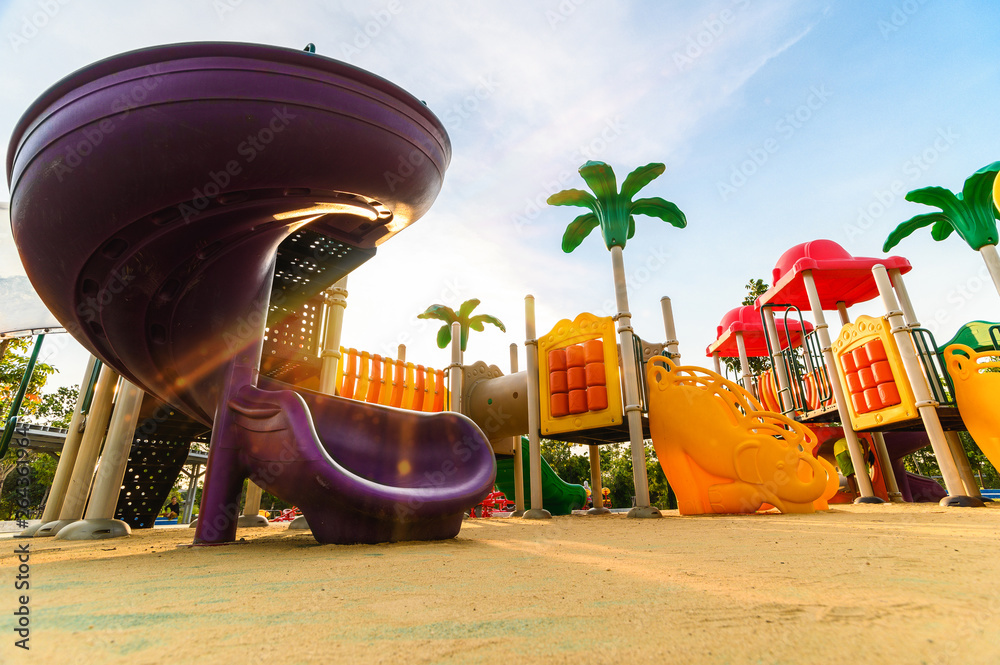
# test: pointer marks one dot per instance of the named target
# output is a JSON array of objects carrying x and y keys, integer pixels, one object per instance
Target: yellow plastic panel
[
  {"x": 583, "y": 328},
  {"x": 722, "y": 453},
  {"x": 857, "y": 334},
  {"x": 977, "y": 391}
]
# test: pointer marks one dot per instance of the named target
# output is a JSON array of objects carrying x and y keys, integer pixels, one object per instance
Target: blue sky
[{"x": 778, "y": 123}]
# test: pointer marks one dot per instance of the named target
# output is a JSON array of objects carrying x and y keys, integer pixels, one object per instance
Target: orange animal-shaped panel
[{"x": 721, "y": 452}]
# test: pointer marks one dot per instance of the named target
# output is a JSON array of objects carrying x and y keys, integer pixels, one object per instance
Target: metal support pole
[
  {"x": 455, "y": 368},
  {"x": 717, "y": 362},
  {"x": 989, "y": 253},
  {"x": 954, "y": 442},
  {"x": 251, "y": 517},
  {"x": 925, "y": 405},
  {"x": 777, "y": 361},
  {"x": 633, "y": 411},
  {"x": 964, "y": 467},
  {"x": 191, "y": 494},
  {"x": 90, "y": 447},
  {"x": 668, "y": 328},
  {"x": 845, "y": 318},
  {"x": 335, "y": 299},
  {"x": 99, "y": 522},
  {"x": 518, "y": 453},
  {"x": 67, "y": 458},
  {"x": 888, "y": 475},
  {"x": 853, "y": 445},
  {"x": 741, "y": 347},
  {"x": 537, "y": 512}
]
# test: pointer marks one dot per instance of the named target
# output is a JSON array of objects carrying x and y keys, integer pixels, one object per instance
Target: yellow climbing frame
[{"x": 372, "y": 378}]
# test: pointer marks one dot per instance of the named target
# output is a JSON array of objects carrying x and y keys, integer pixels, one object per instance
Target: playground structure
[
  {"x": 174, "y": 258},
  {"x": 878, "y": 375},
  {"x": 233, "y": 308}
]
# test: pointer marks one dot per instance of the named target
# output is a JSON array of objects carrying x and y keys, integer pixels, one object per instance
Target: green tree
[
  {"x": 616, "y": 475},
  {"x": 464, "y": 318},
  {"x": 971, "y": 214},
  {"x": 755, "y": 288},
  {"x": 569, "y": 466},
  {"x": 12, "y": 365}
]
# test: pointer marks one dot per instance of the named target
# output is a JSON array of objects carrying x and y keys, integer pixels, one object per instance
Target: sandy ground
[{"x": 870, "y": 584}]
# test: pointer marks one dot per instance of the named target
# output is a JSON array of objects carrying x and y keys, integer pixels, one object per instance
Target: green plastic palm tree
[
  {"x": 610, "y": 209},
  {"x": 614, "y": 211},
  {"x": 449, "y": 316},
  {"x": 971, "y": 213}
]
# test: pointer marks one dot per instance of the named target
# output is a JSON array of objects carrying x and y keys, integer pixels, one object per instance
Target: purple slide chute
[{"x": 149, "y": 194}]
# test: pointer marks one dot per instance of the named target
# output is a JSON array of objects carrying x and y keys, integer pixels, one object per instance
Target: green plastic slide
[{"x": 558, "y": 496}]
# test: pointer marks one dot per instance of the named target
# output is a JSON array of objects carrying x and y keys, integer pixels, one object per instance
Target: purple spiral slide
[{"x": 149, "y": 194}]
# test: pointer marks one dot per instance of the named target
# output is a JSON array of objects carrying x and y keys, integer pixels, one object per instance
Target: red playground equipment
[{"x": 495, "y": 501}]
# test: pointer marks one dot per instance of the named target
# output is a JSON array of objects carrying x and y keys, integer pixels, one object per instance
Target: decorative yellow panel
[
  {"x": 597, "y": 404},
  {"x": 877, "y": 393}
]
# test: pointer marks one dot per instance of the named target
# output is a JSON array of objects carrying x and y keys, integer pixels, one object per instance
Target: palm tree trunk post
[
  {"x": 99, "y": 522},
  {"x": 537, "y": 512},
  {"x": 989, "y": 253},
  {"x": 853, "y": 445},
  {"x": 455, "y": 368},
  {"x": 632, "y": 409},
  {"x": 90, "y": 447},
  {"x": 717, "y": 363},
  {"x": 336, "y": 302},
  {"x": 925, "y": 404},
  {"x": 669, "y": 330},
  {"x": 778, "y": 361},
  {"x": 67, "y": 458},
  {"x": 954, "y": 443},
  {"x": 518, "y": 454},
  {"x": 741, "y": 346}
]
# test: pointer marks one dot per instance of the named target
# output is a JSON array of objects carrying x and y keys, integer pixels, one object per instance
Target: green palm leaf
[
  {"x": 657, "y": 207},
  {"x": 914, "y": 223},
  {"x": 631, "y": 227},
  {"x": 979, "y": 186},
  {"x": 639, "y": 178},
  {"x": 466, "y": 308},
  {"x": 573, "y": 197},
  {"x": 577, "y": 230},
  {"x": 444, "y": 336},
  {"x": 939, "y": 197},
  {"x": 439, "y": 312},
  {"x": 601, "y": 179},
  {"x": 942, "y": 229},
  {"x": 486, "y": 318}
]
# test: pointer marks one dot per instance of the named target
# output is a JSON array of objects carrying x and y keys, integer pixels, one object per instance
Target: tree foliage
[
  {"x": 12, "y": 365},
  {"x": 463, "y": 317},
  {"x": 755, "y": 288}
]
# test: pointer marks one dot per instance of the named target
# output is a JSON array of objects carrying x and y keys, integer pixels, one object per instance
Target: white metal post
[
  {"x": 853, "y": 445},
  {"x": 633, "y": 411},
  {"x": 778, "y": 361},
  {"x": 668, "y": 329},
  {"x": 924, "y": 403},
  {"x": 537, "y": 512},
  {"x": 518, "y": 452},
  {"x": 954, "y": 442},
  {"x": 335, "y": 299},
  {"x": 741, "y": 347},
  {"x": 455, "y": 368}
]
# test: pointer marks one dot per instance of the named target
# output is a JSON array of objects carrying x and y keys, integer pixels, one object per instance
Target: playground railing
[
  {"x": 376, "y": 379},
  {"x": 938, "y": 379}
]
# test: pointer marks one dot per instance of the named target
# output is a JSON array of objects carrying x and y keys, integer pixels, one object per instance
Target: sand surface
[{"x": 859, "y": 584}]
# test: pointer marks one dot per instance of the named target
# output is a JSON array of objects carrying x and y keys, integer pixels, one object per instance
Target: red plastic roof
[
  {"x": 746, "y": 320},
  {"x": 839, "y": 276}
]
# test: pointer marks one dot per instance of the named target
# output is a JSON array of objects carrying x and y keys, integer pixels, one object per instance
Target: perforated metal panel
[
  {"x": 159, "y": 449},
  {"x": 307, "y": 263}
]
